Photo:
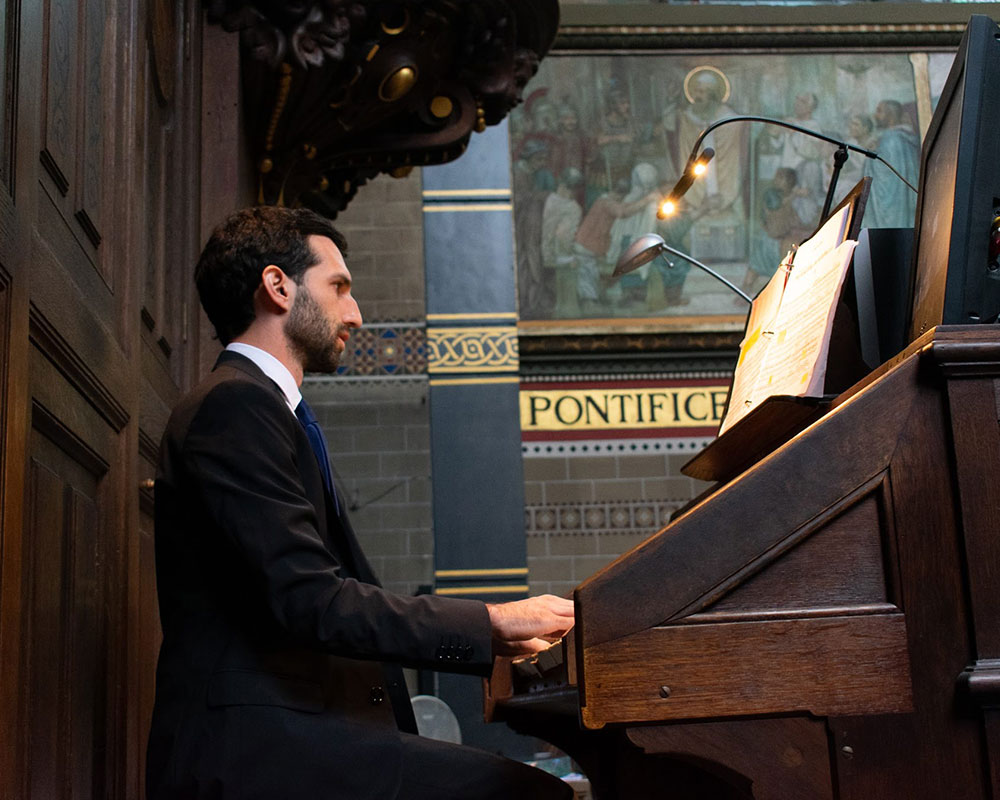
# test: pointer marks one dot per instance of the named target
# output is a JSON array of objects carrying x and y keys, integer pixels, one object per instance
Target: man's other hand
[{"x": 531, "y": 625}]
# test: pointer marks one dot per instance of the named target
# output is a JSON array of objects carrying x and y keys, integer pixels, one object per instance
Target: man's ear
[{"x": 277, "y": 289}]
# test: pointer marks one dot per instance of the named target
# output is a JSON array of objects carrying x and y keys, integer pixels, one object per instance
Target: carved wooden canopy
[{"x": 337, "y": 91}]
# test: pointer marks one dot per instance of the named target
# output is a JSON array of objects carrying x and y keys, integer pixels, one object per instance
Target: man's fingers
[
  {"x": 544, "y": 616},
  {"x": 523, "y": 647}
]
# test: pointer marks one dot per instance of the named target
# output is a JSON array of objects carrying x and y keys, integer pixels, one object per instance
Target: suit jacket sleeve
[{"x": 240, "y": 449}]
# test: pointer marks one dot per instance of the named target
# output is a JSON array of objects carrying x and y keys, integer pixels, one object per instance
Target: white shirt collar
[{"x": 273, "y": 368}]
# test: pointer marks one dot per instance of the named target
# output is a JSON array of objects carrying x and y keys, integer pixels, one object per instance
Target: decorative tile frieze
[
  {"x": 386, "y": 349},
  {"x": 591, "y": 447},
  {"x": 630, "y": 516},
  {"x": 491, "y": 348}
]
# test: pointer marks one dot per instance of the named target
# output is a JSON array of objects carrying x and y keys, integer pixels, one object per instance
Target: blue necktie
[{"x": 318, "y": 441}]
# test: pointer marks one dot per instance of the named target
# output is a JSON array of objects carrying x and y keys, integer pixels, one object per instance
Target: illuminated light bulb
[
  {"x": 700, "y": 169},
  {"x": 667, "y": 208}
]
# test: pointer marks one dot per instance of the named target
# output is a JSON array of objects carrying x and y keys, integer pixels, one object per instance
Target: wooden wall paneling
[
  {"x": 148, "y": 634},
  {"x": 172, "y": 123},
  {"x": 78, "y": 59},
  {"x": 8, "y": 87},
  {"x": 59, "y": 97},
  {"x": 13, "y": 387},
  {"x": 73, "y": 638},
  {"x": 95, "y": 73},
  {"x": 78, "y": 629},
  {"x": 21, "y": 80},
  {"x": 226, "y": 175}
]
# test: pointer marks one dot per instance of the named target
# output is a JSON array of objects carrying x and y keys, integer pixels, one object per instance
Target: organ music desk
[{"x": 825, "y": 624}]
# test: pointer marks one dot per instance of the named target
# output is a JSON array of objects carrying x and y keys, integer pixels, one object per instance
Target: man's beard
[{"x": 310, "y": 334}]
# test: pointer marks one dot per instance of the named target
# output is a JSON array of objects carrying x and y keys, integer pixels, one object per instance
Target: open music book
[{"x": 787, "y": 340}]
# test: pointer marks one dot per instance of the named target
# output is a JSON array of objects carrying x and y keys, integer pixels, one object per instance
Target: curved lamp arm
[
  {"x": 781, "y": 123},
  {"x": 839, "y": 158},
  {"x": 648, "y": 247}
]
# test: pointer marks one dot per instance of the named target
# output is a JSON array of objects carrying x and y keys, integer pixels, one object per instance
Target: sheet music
[
  {"x": 825, "y": 239},
  {"x": 788, "y": 334},
  {"x": 759, "y": 330},
  {"x": 795, "y": 363}
]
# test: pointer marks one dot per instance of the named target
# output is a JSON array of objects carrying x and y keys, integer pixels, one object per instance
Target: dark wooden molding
[
  {"x": 51, "y": 167},
  {"x": 982, "y": 681},
  {"x": 149, "y": 449},
  {"x": 51, "y": 426},
  {"x": 164, "y": 346},
  {"x": 87, "y": 224},
  {"x": 46, "y": 337}
]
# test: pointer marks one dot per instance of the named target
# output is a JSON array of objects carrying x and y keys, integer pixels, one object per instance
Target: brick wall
[
  {"x": 583, "y": 510},
  {"x": 384, "y": 229},
  {"x": 379, "y": 438}
]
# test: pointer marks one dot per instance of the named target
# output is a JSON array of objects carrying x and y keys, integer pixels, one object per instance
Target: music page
[
  {"x": 759, "y": 330},
  {"x": 795, "y": 360}
]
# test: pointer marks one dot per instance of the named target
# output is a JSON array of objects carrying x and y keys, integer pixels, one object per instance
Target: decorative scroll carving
[{"x": 338, "y": 91}]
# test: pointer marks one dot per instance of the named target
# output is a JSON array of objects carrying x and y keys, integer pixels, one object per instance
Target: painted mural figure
[
  {"x": 860, "y": 132},
  {"x": 781, "y": 227},
  {"x": 537, "y": 293},
  {"x": 809, "y": 157},
  {"x": 714, "y": 204},
  {"x": 626, "y": 229},
  {"x": 561, "y": 217},
  {"x": 572, "y": 149},
  {"x": 593, "y": 241},
  {"x": 891, "y": 204},
  {"x": 615, "y": 143}
]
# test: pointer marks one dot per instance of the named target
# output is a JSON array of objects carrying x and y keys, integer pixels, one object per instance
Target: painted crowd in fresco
[{"x": 600, "y": 139}]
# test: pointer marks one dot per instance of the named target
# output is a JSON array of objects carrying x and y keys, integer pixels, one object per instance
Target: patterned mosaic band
[
  {"x": 635, "y": 516},
  {"x": 472, "y": 349},
  {"x": 386, "y": 349}
]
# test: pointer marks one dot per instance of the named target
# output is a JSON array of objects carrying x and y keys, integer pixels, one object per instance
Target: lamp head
[
  {"x": 641, "y": 251},
  {"x": 700, "y": 167},
  {"x": 694, "y": 169},
  {"x": 667, "y": 208}
]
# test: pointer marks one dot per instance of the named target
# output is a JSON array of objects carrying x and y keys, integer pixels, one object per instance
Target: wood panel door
[{"x": 100, "y": 219}]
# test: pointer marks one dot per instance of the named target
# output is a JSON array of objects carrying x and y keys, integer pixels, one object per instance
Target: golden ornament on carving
[
  {"x": 441, "y": 106},
  {"x": 397, "y": 84},
  {"x": 396, "y": 27}
]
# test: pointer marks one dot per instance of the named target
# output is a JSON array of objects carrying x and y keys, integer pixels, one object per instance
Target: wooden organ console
[{"x": 824, "y": 625}]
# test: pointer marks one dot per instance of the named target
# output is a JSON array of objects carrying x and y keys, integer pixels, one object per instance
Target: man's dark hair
[{"x": 228, "y": 272}]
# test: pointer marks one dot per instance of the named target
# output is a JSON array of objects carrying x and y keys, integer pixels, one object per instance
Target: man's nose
[{"x": 353, "y": 316}]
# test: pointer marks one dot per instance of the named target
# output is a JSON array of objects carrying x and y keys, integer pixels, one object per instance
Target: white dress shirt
[{"x": 273, "y": 368}]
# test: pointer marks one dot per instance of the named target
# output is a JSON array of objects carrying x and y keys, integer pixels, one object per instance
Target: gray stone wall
[
  {"x": 584, "y": 510},
  {"x": 384, "y": 229},
  {"x": 379, "y": 439}
]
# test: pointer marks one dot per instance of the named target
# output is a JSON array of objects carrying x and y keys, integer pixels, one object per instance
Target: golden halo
[{"x": 710, "y": 68}]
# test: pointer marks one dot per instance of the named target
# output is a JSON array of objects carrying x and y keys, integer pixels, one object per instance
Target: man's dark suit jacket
[{"x": 270, "y": 682}]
